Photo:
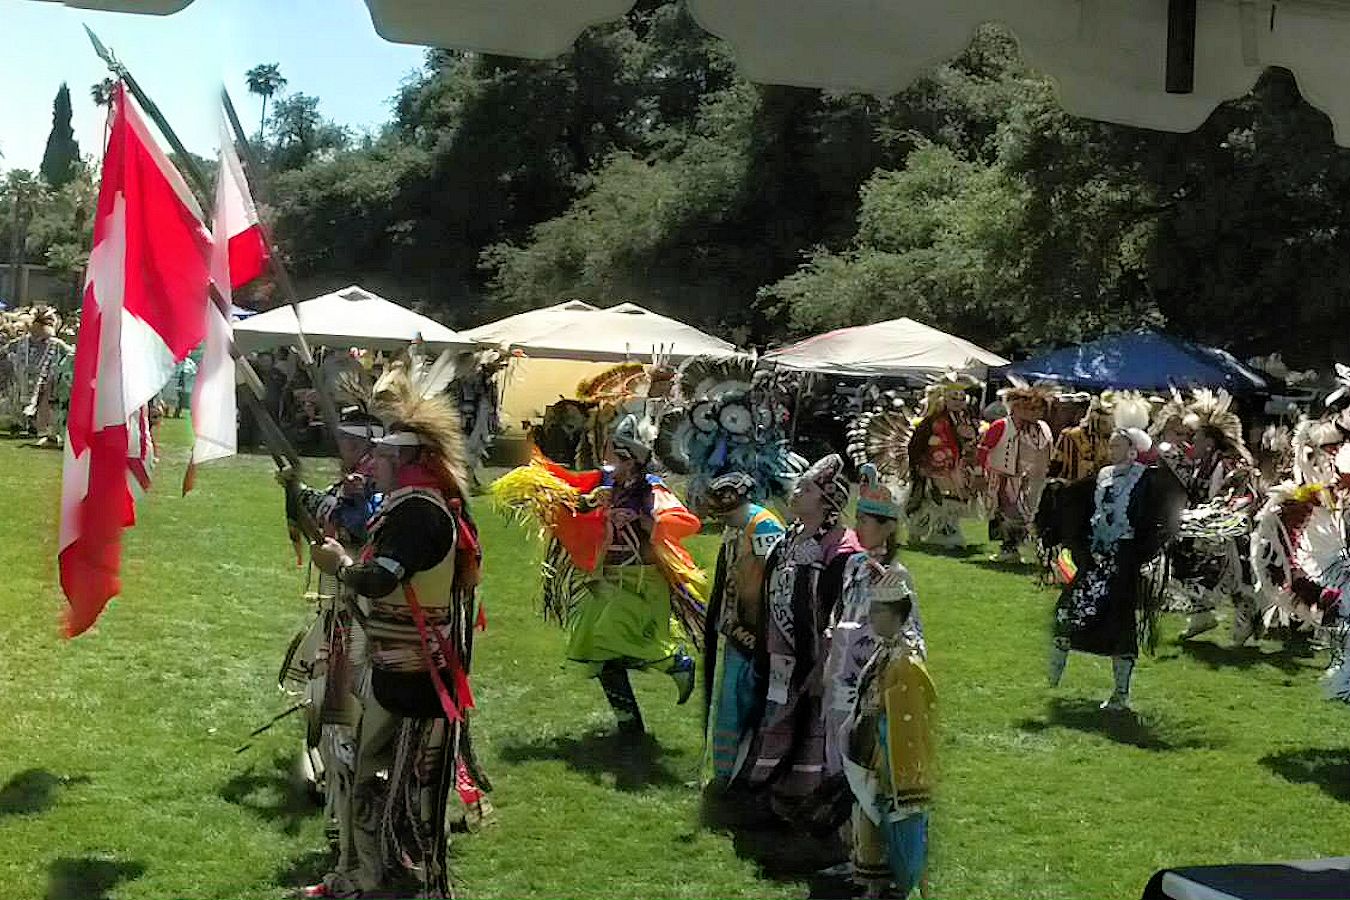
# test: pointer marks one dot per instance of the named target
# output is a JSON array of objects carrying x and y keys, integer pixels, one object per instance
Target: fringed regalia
[
  {"x": 1079, "y": 453},
  {"x": 42, "y": 368},
  {"x": 804, "y": 581},
  {"x": 414, "y": 598},
  {"x": 1114, "y": 526},
  {"x": 319, "y": 659},
  {"x": 614, "y": 588},
  {"x": 1209, "y": 562},
  {"x": 852, "y": 640},
  {"x": 1016, "y": 458},
  {"x": 941, "y": 454},
  {"x": 890, "y": 762},
  {"x": 734, "y": 691}
]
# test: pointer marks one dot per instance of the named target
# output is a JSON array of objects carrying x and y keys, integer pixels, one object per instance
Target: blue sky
[{"x": 327, "y": 48}]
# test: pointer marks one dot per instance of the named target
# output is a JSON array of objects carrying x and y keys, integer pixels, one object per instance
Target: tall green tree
[
  {"x": 300, "y": 132},
  {"x": 63, "y": 151},
  {"x": 265, "y": 80}
]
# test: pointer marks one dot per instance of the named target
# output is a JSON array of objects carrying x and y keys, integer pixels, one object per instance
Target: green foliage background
[{"x": 641, "y": 166}]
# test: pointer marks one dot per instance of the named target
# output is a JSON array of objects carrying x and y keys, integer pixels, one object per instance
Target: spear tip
[{"x": 103, "y": 52}]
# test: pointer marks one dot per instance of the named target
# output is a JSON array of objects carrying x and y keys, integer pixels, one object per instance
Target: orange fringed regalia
[{"x": 571, "y": 508}]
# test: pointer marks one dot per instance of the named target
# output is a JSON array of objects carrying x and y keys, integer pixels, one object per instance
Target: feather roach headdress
[{"x": 415, "y": 404}]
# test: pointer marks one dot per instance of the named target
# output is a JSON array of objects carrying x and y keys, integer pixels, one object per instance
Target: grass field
[{"x": 118, "y": 776}]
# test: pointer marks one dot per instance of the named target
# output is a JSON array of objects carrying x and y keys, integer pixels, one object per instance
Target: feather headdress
[
  {"x": 1021, "y": 390},
  {"x": 615, "y": 384},
  {"x": 1129, "y": 409},
  {"x": 1171, "y": 411},
  {"x": 881, "y": 437},
  {"x": 711, "y": 377},
  {"x": 1212, "y": 411},
  {"x": 952, "y": 383},
  {"x": 416, "y": 403}
]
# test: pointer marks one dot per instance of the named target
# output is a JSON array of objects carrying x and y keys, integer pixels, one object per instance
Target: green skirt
[{"x": 625, "y": 615}]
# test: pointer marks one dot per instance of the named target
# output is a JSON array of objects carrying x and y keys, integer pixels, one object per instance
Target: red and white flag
[
  {"x": 238, "y": 255},
  {"x": 144, "y": 308}
]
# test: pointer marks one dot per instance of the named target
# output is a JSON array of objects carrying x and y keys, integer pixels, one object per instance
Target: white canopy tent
[
  {"x": 577, "y": 330},
  {"x": 1161, "y": 64},
  {"x": 351, "y": 317},
  {"x": 527, "y": 324},
  {"x": 898, "y": 348},
  {"x": 555, "y": 348}
]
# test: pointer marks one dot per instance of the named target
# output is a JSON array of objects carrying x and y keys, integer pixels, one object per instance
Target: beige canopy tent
[
  {"x": 1161, "y": 64},
  {"x": 553, "y": 349},
  {"x": 351, "y": 317},
  {"x": 898, "y": 348},
  {"x": 578, "y": 330}
]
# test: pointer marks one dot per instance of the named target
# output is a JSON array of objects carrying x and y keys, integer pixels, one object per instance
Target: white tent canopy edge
[
  {"x": 350, "y": 317},
  {"x": 896, "y": 348}
]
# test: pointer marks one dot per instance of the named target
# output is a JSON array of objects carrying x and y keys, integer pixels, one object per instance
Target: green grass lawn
[{"x": 118, "y": 776}]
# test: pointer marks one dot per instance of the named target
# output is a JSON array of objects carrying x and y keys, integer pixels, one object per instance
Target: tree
[
  {"x": 300, "y": 133},
  {"x": 20, "y": 193},
  {"x": 63, "y": 151},
  {"x": 101, "y": 92},
  {"x": 265, "y": 80}
]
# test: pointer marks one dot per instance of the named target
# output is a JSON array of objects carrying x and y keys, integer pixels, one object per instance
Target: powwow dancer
[
  {"x": 319, "y": 659},
  {"x": 1081, "y": 450},
  {"x": 1299, "y": 543},
  {"x": 1015, "y": 454},
  {"x": 1213, "y": 558},
  {"x": 805, "y": 575},
  {"x": 616, "y": 570},
  {"x": 1114, "y": 526},
  {"x": 733, "y": 688},
  {"x": 414, "y": 582},
  {"x": 41, "y": 363},
  {"x": 728, "y": 419},
  {"x": 889, "y": 751},
  {"x": 1172, "y": 436},
  {"x": 941, "y": 458},
  {"x": 871, "y": 571}
]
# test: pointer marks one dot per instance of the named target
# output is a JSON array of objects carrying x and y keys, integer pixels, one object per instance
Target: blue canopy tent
[{"x": 1142, "y": 360}]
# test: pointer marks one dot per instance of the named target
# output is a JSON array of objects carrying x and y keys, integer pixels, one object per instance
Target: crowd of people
[{"x": 819, "y": 705}]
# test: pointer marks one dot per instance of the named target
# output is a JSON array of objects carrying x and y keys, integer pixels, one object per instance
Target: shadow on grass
[
  {"x": 34, "y": 791},
  {"x": 780, "y": 852},
  {"x": 965, "y": 552},
  {"x": 1291, "y": 660},
  {"x": 88, "y": 877},
  {"x": 306, "y": 869},
  {"x": 1014, "y": 568},
  {"x": 635, "y": 763},
  {"x": 1328, "y": 768},
  {"x": 274, "y": 793},
  {"x": 1124, "y": 727}
]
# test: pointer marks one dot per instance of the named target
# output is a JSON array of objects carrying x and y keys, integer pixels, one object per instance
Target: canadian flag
[
  {"x": 144, "y": 308},
  {"x": 238, "y": 255}
]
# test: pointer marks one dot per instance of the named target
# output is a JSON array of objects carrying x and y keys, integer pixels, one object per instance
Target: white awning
[
  {"x": 900, "y": 347},
  {"x": 578, "y": 330},
  {"x": 351, "y": 317},
  {"x": 1110, "y": 58}
]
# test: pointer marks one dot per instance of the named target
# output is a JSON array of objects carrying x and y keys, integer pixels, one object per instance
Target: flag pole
[
  {"x": 194, "y": 171},
  {"x": 252, "y": 167},
  {"x": 283, "y": 453}
]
